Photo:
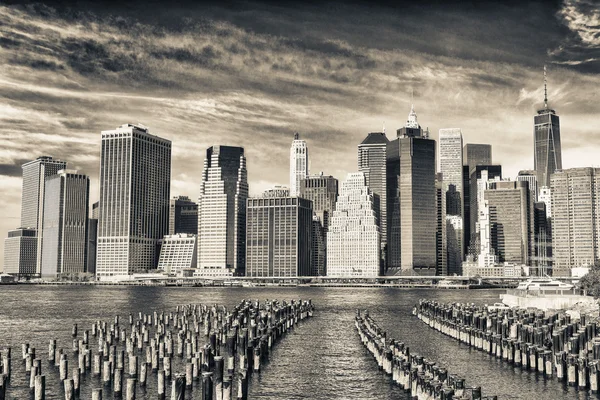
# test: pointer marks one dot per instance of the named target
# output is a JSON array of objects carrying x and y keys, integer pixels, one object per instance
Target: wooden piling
[
  {"x": 40, "y": 387},
  {"x": 131, "y": 389}
]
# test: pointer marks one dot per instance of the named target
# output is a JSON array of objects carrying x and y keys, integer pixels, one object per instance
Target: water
[{"x": 321, "y": 359}]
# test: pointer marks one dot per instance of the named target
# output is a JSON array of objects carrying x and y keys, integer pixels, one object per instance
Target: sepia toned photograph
[{"x": 287, "y": 200}]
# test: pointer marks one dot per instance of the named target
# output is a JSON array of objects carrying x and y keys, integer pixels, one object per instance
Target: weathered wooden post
[
  {"x": 76, "y": 380},
  {"x": 40, "y": 387},
  {"x": 96, "y": 393},
  {"x": 64, "y": 367},
  {"x": 143, "y": 374},
  {"x": 161, "y": 385},
  {"x": 52, "y": 350},
  {"x": 69, "y": 390},
  {"x": 106, "y": 372},
  {"x": 242, "y": 392},
  {"x": 130, "y": 391},
  {"x": 118, "y": 381},
  {"x": 227, "y": 387},
  {"x": 218, "y": 377},
  {"x": 189, "y": 374},
  {"x": 178, "y": 387},
  {"x": 207, "y": 386}
]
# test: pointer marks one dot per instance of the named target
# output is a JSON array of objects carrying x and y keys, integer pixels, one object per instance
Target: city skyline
[{"x": 56, "y": 103}]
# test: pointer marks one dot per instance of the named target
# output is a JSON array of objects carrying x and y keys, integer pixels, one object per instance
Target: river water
[{"x": 320, "y": 359}]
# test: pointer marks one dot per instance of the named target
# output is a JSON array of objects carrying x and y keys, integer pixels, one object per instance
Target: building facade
[
  {"x": 511, "y": 221},
  {"x": 298, "y": 164},
  {"x": 440, "y": 232},
  {"x": 475, "y": 154},
  {"x": 183, "y": 216},
  {"x": 322, "y": 190},
  {"x": 133, "y": 212},
  {"x": 478, "y": 181},
  {"x": 66, "y": 210},
  {"x": 20, "y": 253},
  {"x": 372, "y": 155},
  {"x": 178, "y": 252},
  {"x": 353, "y": 240},
  {"x": 411, "y": 198},
  {"x": 451, "y": 167},
  {"x": 575, "y": 219},
  {"x": 279, "y": 232},
  {"x": 530, "y": 177},
  {"x": 547, "y": 148},
  {"x": 32, "y": 198},
  {"x": 222, "y": 212}
]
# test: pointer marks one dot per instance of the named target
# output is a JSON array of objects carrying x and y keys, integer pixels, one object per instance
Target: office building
[
  {"x": 322, "y": 190},
  {"x": 20, "y": 253},
  {"x": 475, "y": 154},
  {"x": 372, "y": 153},
  {"x": 318, "y": 248},
  {"x": 178, "y": 252},
  {"x": 277, "y": 191},
  {"x": 411, "y": 198},
  {"x": 95, "y": 210},
  {"x": 511, "y": 221},
  {"x": 477, "y": 186},
  {"x": 298, "y": 164},
  {"x": 575, "y": 219},
  {"x": 530, "y": 177},
  {"x": 353, "y": 239},
  {"x": 183, "y": 216},
  {"x": 222, "y": 212},
  {"x": 279, "y": 237},
  {"x": 66, "y": 210},
  {"x": 92, "y": 240},
  {"x": 133, "y": 212},
  {"x": 545, "y": 196},
  {"x": 32, "y": 198},
  {"x": 451, "y": 167},
  {"x": 441, "y": 267},
  {"x": 541, "y": 260},
  {"x": 547, "y": 154}
]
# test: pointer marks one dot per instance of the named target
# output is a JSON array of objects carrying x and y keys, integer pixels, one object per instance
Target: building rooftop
[{"x": 375, "y": 138}]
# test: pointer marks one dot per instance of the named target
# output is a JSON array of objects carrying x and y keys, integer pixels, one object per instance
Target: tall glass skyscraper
[
  {"x": 66, "y": 209},
  {"x": 298, "y": 164},
  {"x": 477, "y": 154},
  {"x": 222, "y": 212},
  {"x": 372, "y": 162},
  {"x": 135, "y": 181},
  {"x": 32, "y": 199},
  {"x": 547, "y": 154},
  {"x": 411, "y": 198}
]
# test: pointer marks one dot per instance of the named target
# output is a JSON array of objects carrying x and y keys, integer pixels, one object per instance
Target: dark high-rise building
[
  {"x": 411, "y": 198},
  {"x": 493, "y": 172},
  {"x": 92, "y": 239},
  {"x": 279, "y": 237},
  {"x": 135, "y": 180},
  {"x": 542, "y": 250},
  {"x": 372, "y": 153},
  {"x": 547, "y": 155},
  {"x": 441, "y": 267},
  {"x": 66, "y": 210},
  {"x": 511, "y": 221},
  {"x": 183, "y": 216},
  {"x": 477, "y": 154},
  {"x": 318, "y": 248},
  {"x": 32, "y": 198},
  {"x": 222, "y": 212}
]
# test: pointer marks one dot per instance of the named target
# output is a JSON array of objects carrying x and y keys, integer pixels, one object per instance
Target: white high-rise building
[
  {"x": 486, "y": 256},
  {"x": 353, "y": 239},
  {"x": 451, "y": 167},
  {"x": 66, "y": 210},
  {"x": 222, "y": 213},
  {"x": 298, "y": 164},
  {"x": 545, "y": 196},
  {"x": 32, "y": 199},
  {"x": 135, "y": 181}
]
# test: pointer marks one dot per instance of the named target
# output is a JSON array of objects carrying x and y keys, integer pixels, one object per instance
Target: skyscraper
[
  {"x": 32, "y": 198},
  {"x": 451, "y": 167},
  {"x": 477, "y": 186},
  {"x": 66, "y": 210},
  {"x": 178, "y": 252},
  {"x": 353, "y": 240},
  {"x": 511, "y": 221},
  {"x": 322, "y": 190},
  {"x": 183, "y": 216},
  {"x": 135, "y": 180},
  {"x": 298, "y": 164},
  {"x": 92, "y": 240},
  {"x": 222, "y": 212},
  {"x": 475, "y": 154},
  {"x": 411, "y": 198},
  {"x": 279, "y": 237},
  {"x": 548, "y": 154},
  {"x": 441, "y": 267},
  {"x": 530, "y": 177},
  {"x": 575, "y": 219},
  {"x": 372, "y": 154}
]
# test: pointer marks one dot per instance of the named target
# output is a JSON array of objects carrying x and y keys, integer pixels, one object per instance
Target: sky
[{"x": 252, "y": 73}]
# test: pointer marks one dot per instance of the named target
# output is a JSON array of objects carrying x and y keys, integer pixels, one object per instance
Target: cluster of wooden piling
[
  {"x": 220, "y": 349},
  {"x": 550, "y": 345},
  {"x": 421, "y": 377}
]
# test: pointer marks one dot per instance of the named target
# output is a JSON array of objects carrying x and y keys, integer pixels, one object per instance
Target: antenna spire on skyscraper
[
  {"x": 545, "y": 89},
  {"x": 384, "y": 127},
  {"x": 296, "y": 136}
]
